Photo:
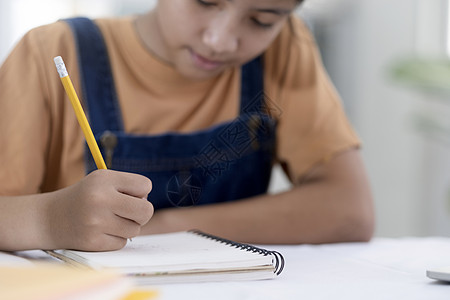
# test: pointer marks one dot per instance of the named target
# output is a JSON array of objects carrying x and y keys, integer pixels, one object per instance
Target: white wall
[
  {"x": 5, "y": 27},
  {"x": 19, "y": 16},
  {"x": 383, "y": 116},
  {"x": 359, "y": 45}
]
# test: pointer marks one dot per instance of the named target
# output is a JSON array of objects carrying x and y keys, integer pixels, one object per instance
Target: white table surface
[{"x": 381, "y": 269}]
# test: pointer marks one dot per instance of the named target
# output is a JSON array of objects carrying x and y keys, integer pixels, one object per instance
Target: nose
[{"x": 221, "y": 36}]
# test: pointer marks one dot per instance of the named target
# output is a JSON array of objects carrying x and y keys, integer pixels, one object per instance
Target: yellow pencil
[{"x": 82, "y": 120}]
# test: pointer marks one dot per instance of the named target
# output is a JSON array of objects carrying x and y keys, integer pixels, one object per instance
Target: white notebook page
[{"x": 169, "y": 252}]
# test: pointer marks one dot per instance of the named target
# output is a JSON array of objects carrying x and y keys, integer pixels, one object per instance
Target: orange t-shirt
[{"x": 42, "y": 145}]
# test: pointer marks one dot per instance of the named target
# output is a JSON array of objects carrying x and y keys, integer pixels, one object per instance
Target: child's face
[{"x": 201, "y": 38}]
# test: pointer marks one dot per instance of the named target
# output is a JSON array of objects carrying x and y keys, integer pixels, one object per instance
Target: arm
[
  {"x": 37, "y": 134},
  {"x": 98, "y": 213},
  {"x": 333, "y": 205}
]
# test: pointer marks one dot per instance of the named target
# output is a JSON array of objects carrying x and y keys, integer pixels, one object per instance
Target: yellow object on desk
[
  {"x": 82, "y": 120},
  {"x": 56, "y": 282},
  {"x": 140, "y": 295}
]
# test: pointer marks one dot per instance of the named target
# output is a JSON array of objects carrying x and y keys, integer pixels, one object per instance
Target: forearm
[
  {"x": 287, "y": 218},
  {"x": 334, "y": 207},
  {"x": 98, "y": 213},
  {"x": 23, "y": 222}
]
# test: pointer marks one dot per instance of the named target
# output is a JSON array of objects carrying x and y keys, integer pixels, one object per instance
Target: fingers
[
  {"x": 132, "y": 184},
  {"x": 112, "y": 243},
  {"x": 127, "y": 183},
  {"x": 113, "y": 237},
  {"x": 123, "y": 228},
  {"x": 109, "y": 232},
  {"x": 130, "y": 201},
  {"x": 138, "y": 210},
  {"x": 100, "y": 212},
  {"x": 104, "y": 242}
]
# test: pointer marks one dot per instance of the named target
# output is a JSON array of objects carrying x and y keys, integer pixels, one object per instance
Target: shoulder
[
  {"x": 113, "y": 23},
  {"x": 295, "y": 36},
  {"x": 116, "y": 29},
  {"x": 58, "y": 36},
  {"x": 292, "y": 63},
  {"x": 49, "y": 35},
  {"x": 32, "y": 59},
  {"x": 39, "y": 45},
  {"x": 294, "y": 33},
  {"x": 293, "y": 49}
]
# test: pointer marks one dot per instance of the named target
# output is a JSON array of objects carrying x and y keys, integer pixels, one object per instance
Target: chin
[{"x": 196, "y": 74}]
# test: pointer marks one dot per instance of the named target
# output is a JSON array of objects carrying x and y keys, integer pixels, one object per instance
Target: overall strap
[
  {"x": 252, "y": 87},
  {"x": 97, "y": 81}
]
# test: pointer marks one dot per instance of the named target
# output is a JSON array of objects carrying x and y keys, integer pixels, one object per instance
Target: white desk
[{"x": 382, "y": 269}]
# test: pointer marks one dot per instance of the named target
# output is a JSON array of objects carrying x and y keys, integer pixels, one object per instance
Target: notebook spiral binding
[{"x": 278, "y": 258}]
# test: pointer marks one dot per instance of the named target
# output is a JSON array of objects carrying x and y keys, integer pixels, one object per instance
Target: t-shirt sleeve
[
  {"x": 33, "y": 111},
  {"x": 24, "y": 120},
  {"x": 312, "y": 124}
]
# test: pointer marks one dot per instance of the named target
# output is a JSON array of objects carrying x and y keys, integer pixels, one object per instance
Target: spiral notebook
[{"x": 179, "y": 257}]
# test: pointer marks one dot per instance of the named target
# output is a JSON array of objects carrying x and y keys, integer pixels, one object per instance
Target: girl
[{"x": 194, "y": 100}]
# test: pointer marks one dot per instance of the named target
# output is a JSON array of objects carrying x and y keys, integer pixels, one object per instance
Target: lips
[{"x": 205, "y": 63}]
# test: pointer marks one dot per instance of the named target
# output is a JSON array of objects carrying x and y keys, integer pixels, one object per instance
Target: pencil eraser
[{"x": 60, "y": 66}]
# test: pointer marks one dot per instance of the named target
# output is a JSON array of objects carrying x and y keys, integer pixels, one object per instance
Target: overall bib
[{"x": 226, "y": 162}]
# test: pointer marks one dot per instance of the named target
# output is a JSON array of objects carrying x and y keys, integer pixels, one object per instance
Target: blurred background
[{"x": 389, "y": 61}]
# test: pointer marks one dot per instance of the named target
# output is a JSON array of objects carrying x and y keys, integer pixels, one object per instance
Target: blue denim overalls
[{"x": 226, "y": 162}]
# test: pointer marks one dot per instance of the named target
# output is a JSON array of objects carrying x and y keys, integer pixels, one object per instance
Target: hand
[{"x": 100, "y": 212}]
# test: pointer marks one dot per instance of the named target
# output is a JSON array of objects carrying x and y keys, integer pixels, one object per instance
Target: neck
[{"x": 148, "y": 31}]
